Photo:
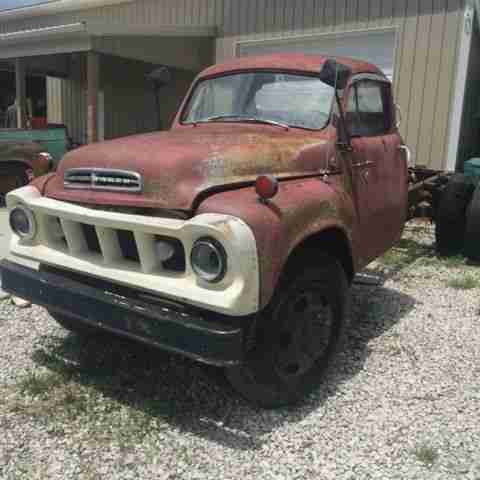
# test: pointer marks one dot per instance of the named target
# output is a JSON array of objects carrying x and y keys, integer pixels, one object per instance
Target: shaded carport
[{"x": 97, "y": 72}]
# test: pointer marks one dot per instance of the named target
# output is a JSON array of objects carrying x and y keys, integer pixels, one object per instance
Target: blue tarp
[{"x": 13, "y": 4}]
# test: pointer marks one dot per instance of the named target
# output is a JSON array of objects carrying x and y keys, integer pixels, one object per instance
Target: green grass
[
  {"x": 465, "y": 282},
  {"x": 426, "y": 455},
  {"x": 39, "y": 384},
  {"x": 404, "y": 253}
]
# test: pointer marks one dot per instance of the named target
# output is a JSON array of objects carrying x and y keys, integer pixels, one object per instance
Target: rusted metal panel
[
  {"x": 197, "y": 159},
  {"x": 299, "y": 209}
]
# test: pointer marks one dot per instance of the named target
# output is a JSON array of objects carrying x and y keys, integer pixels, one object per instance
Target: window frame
[
  {"x": 182, "y": 118},
  {"x": 385, "y": 90}
]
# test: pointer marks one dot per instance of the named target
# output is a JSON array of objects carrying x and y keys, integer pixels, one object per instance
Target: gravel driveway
[{"x": 402, "y": 401}]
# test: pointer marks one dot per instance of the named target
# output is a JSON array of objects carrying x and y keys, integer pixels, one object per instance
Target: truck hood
[{"x": 179, "y": 165}]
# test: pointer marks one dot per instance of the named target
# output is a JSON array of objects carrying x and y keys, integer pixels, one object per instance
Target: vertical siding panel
[
  {"x": 428, "y": 120},
  {"x": 363, "y": 15},
  {"x": 406, "y": 66},
  {"x": 446, "y": 85},
  {"x": 329, "y": 15},
  {"x": 261, "y": 17},
  {"x": 417, "y": 84},
  {"x": 298, "y": 20},
  {"x": 351, "y": 14},
  {"x": 386, "y": 13},
  {"x": 375, "y": 13},
  {"x": 289, "y": 15},
  {"x": 270, "y": 16},
  {"x": 280, "y": 24},
  {"x": 308, "y": 14},
  {"x": 399, "y": 12},
  {"x": 340, "y": 14}
]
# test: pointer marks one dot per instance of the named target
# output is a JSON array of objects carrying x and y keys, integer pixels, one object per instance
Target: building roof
[{"x": 289, "y": 61}]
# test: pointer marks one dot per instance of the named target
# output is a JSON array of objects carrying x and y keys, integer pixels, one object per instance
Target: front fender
[{"x": 300, "y": 209}]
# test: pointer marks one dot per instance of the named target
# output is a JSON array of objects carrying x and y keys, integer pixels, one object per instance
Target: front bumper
[
  {"x": 172, "y": 327},
  {"x": 61, "y": 242}
]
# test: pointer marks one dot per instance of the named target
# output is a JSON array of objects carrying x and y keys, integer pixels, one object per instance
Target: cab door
[{"x": 379, "y": 169}]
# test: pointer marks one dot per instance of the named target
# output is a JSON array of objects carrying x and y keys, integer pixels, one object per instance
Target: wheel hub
[{"x": 304, "y": 335}]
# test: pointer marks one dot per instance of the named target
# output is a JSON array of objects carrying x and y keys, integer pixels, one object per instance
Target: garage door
[{"x": 377, "y": 47}]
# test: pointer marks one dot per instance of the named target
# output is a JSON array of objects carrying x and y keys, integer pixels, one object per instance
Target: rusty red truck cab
[{"x": 231, "y": 238}]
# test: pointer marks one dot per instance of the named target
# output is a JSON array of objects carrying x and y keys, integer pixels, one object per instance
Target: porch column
[
  {"x": 20, "y": 93},
  {"x": 93, "y": 80}
]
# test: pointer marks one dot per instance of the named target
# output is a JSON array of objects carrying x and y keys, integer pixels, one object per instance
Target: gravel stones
[{"x": 402, "y": 400}]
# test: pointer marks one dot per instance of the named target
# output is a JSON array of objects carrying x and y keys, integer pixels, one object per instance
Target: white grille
[{"x": 103, "y": 179}]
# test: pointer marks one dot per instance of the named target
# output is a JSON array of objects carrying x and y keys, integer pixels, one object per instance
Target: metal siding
[
  {"x": 446, "y": 86},
  {"x": 425, "y": 56},
  {"x": 414, "y": 128},
  {"x": 425, "y": 63}
]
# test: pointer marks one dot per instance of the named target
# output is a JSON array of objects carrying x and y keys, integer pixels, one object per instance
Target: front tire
[{"x": 295, "y": 337}]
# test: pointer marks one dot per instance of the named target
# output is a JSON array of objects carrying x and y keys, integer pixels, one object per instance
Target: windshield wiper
[{"x": 243, "y": 118}]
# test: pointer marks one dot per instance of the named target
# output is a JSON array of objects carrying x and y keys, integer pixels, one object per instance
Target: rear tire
[
  {"x": 472, "y": 234},
  {"x": 450, "y": 221},
  {"x": 73, "y": 325},
  {"x": 295, "y": 337}
]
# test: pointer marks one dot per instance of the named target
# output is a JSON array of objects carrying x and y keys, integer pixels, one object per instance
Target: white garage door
[{"x": 377, "y": 47}]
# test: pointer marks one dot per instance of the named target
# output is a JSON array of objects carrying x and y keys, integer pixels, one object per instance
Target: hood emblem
[{"x": 103, "y": 179}]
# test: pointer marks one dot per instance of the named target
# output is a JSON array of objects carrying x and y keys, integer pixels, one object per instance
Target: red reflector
[{"x": 266, "y": 186}]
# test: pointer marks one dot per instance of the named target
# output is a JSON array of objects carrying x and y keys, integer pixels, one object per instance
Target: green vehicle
[{"x": 25, "y": 154}]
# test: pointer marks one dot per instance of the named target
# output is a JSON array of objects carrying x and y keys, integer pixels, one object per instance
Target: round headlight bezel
[
  {"x": 31, "y": 221},
  {"x": 217, "y": 248}
]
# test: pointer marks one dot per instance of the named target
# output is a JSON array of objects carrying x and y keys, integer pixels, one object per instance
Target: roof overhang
[
  {"x": 54, "y": 7},
  {"x": 187, "y": 47},
  {"x": 45, "y": 41}
]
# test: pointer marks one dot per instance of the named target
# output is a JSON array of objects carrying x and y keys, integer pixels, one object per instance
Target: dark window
[{"x": 368, "y": 109}]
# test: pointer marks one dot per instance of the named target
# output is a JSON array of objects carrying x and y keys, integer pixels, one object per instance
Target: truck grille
[
  {"x": 103, "y": 179},
  {"x": 118, "y": 248}
]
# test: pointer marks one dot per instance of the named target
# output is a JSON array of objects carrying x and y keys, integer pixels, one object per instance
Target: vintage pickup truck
[{"x": 233, "y": 237}]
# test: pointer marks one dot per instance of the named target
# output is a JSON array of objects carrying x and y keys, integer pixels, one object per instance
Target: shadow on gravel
[{"x": 197, "y": 399}]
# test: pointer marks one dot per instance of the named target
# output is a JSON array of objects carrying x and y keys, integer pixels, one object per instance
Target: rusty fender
[{"x": 300, "y": 209}]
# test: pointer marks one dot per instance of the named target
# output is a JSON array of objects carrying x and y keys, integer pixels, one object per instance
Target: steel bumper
[{"x": 216, "y": 340}]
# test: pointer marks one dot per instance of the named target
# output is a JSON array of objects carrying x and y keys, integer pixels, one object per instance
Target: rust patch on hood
[{"x": 179, "y": 165}]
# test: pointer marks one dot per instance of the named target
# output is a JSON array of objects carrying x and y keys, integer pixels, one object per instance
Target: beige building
[{"x": 96, "y": 55}]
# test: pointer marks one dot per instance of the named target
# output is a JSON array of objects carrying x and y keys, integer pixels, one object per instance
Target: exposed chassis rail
[{"x": 424, "y": 189}]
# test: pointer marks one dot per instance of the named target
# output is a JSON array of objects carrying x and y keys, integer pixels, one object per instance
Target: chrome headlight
[
  {"x": 209, "y": 260},
  {"x": 22, "y": 222}
]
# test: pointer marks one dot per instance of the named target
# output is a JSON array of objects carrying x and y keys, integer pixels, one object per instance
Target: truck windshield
[{"x": 282, "y": 98}]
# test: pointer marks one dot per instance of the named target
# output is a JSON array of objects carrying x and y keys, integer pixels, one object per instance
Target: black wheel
[
  {"x": 472, "y": 233},
  {"x": 450, "y": 221},
  {"x": 71, "y": 324},
  {"x": 295, "y": 337}
]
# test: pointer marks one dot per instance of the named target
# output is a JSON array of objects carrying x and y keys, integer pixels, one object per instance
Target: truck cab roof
[{"x": 288, "y": 61}]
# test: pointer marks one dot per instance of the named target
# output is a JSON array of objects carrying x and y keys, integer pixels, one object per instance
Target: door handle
[{"x": 362, "y": 164}]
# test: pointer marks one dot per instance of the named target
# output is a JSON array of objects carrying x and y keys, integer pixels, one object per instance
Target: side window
[{"x": 368, "y": 109}]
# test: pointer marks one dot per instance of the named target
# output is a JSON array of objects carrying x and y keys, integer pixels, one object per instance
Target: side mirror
[{"x": 335, "y": 74}]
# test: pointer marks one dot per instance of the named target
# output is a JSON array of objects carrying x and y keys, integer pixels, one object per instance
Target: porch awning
[
  {"x": 187, "y": 47},
  {"x": 45, "y": 41}
]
